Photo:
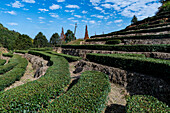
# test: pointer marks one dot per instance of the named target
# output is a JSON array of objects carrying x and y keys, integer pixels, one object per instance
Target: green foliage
[
  {"x": 145, "y": 104},
  {"x": 134, "y": 19},
  {"x": 115, "y": 41},
  {"x": 2, "y": 62},
  {"x": 15, "y": 74},
  {"x": 21, "y": 51},
  {"x": 154, "y": 67},
  {"x": 42, "y": 49},
  {"x": 24, "y": 42},
  {"x": 34, "y": 96},
  {"x": 128, "y": 48},
  {"x": 40, "y": 40},
  {"x": 11, "y": 64},
  {"x": 132, "y": 37},
  {"x": 146, "y": 26},
  {"x": 8, "y": 38},
  {"x": 68, "y": 57},
  {"x": 88, "y": 95},
  {"x": 69, "y": 36},
  {"x": 7, "y": 54},
  {"x": 55, "y": 39}
]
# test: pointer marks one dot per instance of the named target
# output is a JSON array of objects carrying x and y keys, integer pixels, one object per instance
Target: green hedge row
[
  {"x": 42, "y": 49},
  {"x": 68, "y": 57},
  {"x": 89, "y": 95},
  {"x": 154, "y": 67},
  {"x": 11, "y": 64},
  {"x": 21, "y": 51},
  {"x": 15, "y": 74},
  {"x": 139, "y": 22},
  {"x": 2, "y": 62},
  {"x": 7, "y": 54},
  {"x": 132, "y": 37},
  {"x": 146, "y": 31},
  {"x": 145, "y": 104},
  {"x": 35, "y": 95},
  {"x": 146, "y": 26},
  {"x": 128, "y": 48},
  {"x": 132, "y": 55},
  {"x": 115, "y": 41}
]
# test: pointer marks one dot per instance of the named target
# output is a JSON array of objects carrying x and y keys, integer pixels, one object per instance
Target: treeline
[{"x": 13, "y": 40}]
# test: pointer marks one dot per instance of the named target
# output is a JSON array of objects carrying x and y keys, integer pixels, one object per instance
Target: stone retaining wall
[
  {"x": 146, "y": 41},
  {"x": 38, "y": 64},
  {"x": 83, "y": 52},
  {"x": 135, "y": 83},
  {"x": 134, "y": 41}
]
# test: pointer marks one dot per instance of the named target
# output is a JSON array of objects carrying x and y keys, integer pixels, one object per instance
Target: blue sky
[{"x": 49, "y": 16}]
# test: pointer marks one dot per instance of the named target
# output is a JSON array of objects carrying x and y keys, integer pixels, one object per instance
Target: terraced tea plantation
[{"x": 126, "y": 71}]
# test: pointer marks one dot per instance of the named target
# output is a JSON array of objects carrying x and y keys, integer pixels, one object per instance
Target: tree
[
  {"x": 162, "y": 1},
  {"x": 55, "y": 39},
  {"x": 69, "y": 36},
  {"x": 134, "y": 19},
  {"x": 40, "y": 40},
  {"x": 23, "y": 42}
]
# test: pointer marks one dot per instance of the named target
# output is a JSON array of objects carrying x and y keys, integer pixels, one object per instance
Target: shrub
[
  {"x": 68, "y": 57},
  {"x": 42, "y": 49},
  {"x": 2, "y": 62},
  {"x": 113, "y": 41},
  {"x": 132, "y": 37},
  {"x": 7, "y": 54},
  {"x": 128, "y": 48},
  {"x": 154, "y": 67},
  {"x": 35, "y": 95},
  {"x": 145, "y": 104},
  {"x": 21, "y": 51},
  {"x": 88, "y": 95},
  {"x": 15, "y": 74}
]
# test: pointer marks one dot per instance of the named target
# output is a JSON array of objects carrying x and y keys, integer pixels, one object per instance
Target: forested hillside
[{"x": 14, "y": 40}]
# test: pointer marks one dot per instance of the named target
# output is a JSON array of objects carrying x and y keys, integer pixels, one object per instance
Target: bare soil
[{"x": 28, "y": 77}]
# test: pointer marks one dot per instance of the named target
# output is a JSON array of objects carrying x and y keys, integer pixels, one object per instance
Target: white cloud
[
  {"x": 98, "y": 8},
  {"x": 108, "y": 23},
  {"x": 42, "y": 22},
  {"x": 11, "y": 12},
  {"x": 78, "y": 16},
  {"x": 84, "y": 12},
  {"x": 73, "y": 6},
  {"x": 54, "y": 15},
  {"x": 84, "y": 21},
  {"x": 17, "y": 4},
  {"x": 7, "y": 4},
  {"x": 111, "y": 6},
  {"x": 51, "y": 21},
  {"x": 13, "y": 24},
  {"x": 29, "y": 18},
  {"x": 95, "y": 2},
  {"x": 43, "y": 10},
  {"x": 69, "y": 11},
  {"x": 29, "y": 1},
  {"x": 118, "y": 21},
  {"x": 25, "y": 9},
  {"x": 41, "y": 18},
  {"x": 98, "y": 16},
  {"x": 60, "y": 0},
  {"x": 71, "y": 18},
  {"x": 140, "y": 8},
  {"x": 92, "y": 22},
  {"x": 76, "y": 21},
  {"x": 54, "y": 7}
]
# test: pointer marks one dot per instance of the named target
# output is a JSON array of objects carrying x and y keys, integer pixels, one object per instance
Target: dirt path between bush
[
  {"x": 5, "y": 58},
  {"x": 116, "y": 98},
  {"x": 27, "y": 77}
]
